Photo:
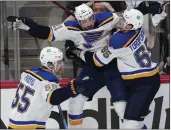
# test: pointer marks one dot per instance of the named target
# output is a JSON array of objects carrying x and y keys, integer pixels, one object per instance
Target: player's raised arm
[{"x": 36, "y": 30}]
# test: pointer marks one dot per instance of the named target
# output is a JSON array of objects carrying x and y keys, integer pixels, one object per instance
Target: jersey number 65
[{"x": 142, "y": 57}]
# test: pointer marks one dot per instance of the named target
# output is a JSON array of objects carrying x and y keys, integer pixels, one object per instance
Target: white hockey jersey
[
  {"x": 133, "y": 57},
  {"x": 87, "y": 40},
  {"x": 31, "y": 106},
  {"x": 132, "y": 4}
]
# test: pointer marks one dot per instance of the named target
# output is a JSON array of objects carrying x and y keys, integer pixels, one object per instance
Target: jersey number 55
[{"x": 21, "y": 101}]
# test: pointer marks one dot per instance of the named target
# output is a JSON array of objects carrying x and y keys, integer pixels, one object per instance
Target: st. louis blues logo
[{"x": 91, "y": 37}]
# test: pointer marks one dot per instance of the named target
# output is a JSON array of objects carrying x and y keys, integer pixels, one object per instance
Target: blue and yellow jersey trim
[
  {"x": 34, "y": 75},
  {"x": 51, "y": 36},
  {"x": 131, "y": 39},
  {"x": 49, "y": 96},
  {"x": 139, "y": 73},
  {"x": 72, "y": 87},
  {"x": 97, "y": 61},
  {"x": 103, "y": 18},
  {"x": 106, "y": 21},
  {"x": 26, "y": 124},
  {"x": 42, "y": 74},
  {"x": 72, "y": 28},
  {"x": 72, "y": 25},
  {"x": 75, "y": 119}
]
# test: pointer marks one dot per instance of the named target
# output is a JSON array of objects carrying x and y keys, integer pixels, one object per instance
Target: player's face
[
  {"x": 122, "y": 25},
  {"x": 59, "y": 67},
  {"x": 88, "y": 23}
]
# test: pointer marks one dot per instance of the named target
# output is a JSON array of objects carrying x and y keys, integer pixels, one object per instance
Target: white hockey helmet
[
  {"x": 83, "y": 12},
  {"x": 134, "y": 17},
  {"x": 53, "y": 56}
]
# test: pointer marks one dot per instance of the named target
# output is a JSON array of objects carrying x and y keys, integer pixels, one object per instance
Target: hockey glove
[
  {"x": 29, "y": 25},
  {"x": 79, "y": 86},
  {"x": 22, "y": 23},
  {"x": 71, "y": 51},
  {"x": 150, "y": 7}
]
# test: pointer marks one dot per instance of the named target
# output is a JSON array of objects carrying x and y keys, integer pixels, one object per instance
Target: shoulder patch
[{"x": 72, "y": 25}]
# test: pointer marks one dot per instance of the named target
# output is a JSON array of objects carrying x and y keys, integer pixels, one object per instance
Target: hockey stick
[
  {"x": 63, "y": 118},
  {"x": 37, "y": 45},
  {"x": 63, "y": 8}
]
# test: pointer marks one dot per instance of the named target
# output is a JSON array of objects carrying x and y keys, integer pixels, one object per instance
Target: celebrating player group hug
[{"x": 113, "y": 47}]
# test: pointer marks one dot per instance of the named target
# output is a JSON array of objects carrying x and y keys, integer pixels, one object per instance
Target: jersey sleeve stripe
[
  {"x": 26, "y": 124},
  {"x": 131, "y": 40},
  {"x": 72, "y": 28},
  {"x": 141, "y": 75},
  {"x": 97, "y": 61},
  {"x": 50, "y": 36},
  {"x": 49, "y": 96},
  {"x": 34, "y": 74},
  {"x": 106, "y": 21},
  {"x": 139, "y": 71}
]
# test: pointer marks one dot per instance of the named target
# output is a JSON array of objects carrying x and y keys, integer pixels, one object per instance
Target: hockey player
[
  {"x": 139, "y": 73},
  {"x": 39, "y": 89}
]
